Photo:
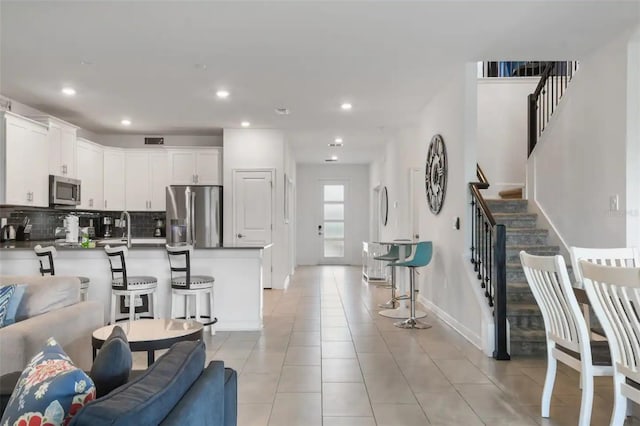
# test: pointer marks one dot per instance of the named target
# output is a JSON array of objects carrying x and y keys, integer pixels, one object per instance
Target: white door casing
[
  {"x": 252, "y": 212},
  {"x": 416, "y": 194}
]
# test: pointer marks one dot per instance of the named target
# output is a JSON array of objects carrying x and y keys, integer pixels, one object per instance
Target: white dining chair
[
  {"x": 629, "y": 257},
  {"x": 614, "y": 293},
  {"x": 568, "y": 338}
]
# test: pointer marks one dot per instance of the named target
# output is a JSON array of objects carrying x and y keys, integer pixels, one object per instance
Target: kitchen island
[{"x": 238, "y": 273}]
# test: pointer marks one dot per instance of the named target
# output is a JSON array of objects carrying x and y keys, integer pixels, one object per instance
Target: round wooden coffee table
[{"x": 150, "y": 335}]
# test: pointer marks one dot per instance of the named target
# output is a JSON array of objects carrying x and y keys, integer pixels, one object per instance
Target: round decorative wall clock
[{"x": 435, "y": 178}]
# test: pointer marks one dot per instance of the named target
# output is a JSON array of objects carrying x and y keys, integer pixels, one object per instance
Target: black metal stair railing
[
  {"x": 543, "y": 102},
  {"x": 489, "y": 259}
]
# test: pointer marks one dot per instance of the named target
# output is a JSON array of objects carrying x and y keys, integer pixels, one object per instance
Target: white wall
[
  {"x": 633, "y": 141},
  {"x": 309, "y": 177},
  {"x": 502, "y": 131},
  {"x": 580, "y": 160},
  {"x": 445, "y": 285},
  {"x": 260, "y": 149}
]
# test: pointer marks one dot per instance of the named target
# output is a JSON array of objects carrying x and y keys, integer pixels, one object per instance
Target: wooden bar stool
[
  {"x": 128, "y": 286},
  {"x": 47, "y": 254},
  {"x": 189, "y": 285}
]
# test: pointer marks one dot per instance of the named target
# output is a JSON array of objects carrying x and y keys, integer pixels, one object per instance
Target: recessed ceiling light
[
  {"x": 346, "y": 106},
  {"x": 222, "y": 94},
  {"x": 245, "y": 124},
  {"x": 68, "y": 91},
  {"x": 86, "y": 62},
  {"x": 283, "y": 111},
  {"x": 201, "y": 66},
  {"x": 125, "y": 122},
  {"x": 338, "y": 140}
]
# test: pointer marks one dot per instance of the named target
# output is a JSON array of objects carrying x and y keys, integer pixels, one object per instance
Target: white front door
[
  {"x": 331, "y": 227},
  {"x": 253, "y": 213}
]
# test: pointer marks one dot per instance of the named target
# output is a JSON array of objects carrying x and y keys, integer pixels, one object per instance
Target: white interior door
[
  {"x": 332, "y": 224},
  {"x": 416, "y": 197},
  {"x": 253, "y": 213}
]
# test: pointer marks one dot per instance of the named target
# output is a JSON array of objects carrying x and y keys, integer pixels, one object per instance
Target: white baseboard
[{"x": 472, "y": 337}]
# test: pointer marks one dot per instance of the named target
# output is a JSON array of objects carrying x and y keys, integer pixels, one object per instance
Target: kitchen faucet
[{"x": 128, "y": 224}]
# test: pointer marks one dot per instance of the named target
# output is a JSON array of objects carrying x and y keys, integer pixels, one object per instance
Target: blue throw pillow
[
  {"x": 14, "y": 302},
  {"x": 5, "y": 297},
  {"x": 112, "y": 365},
  {"x": 50, "y": 391}
]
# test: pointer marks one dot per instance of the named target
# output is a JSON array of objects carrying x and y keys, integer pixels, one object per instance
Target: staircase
[{"x": 525, "y": 320}]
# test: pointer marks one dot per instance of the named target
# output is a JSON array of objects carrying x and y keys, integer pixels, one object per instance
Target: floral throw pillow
[{"x": 50, "y": 391}]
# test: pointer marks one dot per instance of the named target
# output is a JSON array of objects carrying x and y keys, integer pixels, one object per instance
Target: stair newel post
[
  {"x": 500, "y": 292},
  {"x": 480, "y": 245},
  {"x": 487, "y": 253},
  {"x": 473, "y": 207},
  {"x": 490, "y": 271}
]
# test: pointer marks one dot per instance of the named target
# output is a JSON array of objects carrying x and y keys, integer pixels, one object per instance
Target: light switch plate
[{"x": 614, "y": 203}]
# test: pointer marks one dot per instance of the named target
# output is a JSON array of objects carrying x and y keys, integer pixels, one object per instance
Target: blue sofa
[{"x": 176, "y": 390}]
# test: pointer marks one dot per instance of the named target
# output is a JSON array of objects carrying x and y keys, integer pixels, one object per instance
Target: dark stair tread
[
  {"x": 528, "y": 334},
  {"x": 514, "y": 214},
  {"x": 523, "y": 309}
]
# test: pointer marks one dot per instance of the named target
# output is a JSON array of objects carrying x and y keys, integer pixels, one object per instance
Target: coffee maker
[
  {"x": 107, "y": 223},
  {"x": 160, "y": 229}
]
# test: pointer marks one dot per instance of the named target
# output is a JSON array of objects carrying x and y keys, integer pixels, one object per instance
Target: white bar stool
[
  {"x": 47, "y": 254},
  {"x": 127, "y": 286},
  {"x": 189, "y": 285}
]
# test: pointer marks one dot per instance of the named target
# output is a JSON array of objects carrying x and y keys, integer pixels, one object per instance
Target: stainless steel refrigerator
[{"x": 194, "y": 215}]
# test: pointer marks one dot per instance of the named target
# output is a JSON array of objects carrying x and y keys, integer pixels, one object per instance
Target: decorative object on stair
[
  {"x": 511, "y": 194},
  {"x": 436, "y": 174}
]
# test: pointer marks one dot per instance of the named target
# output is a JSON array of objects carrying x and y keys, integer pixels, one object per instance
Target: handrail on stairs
[
  {"x": 542, "y": 103},
  {"x": 489, "y": 259}
]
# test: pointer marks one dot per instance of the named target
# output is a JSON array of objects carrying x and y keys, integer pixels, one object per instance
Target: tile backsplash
[{"x": 44, "y": 221}]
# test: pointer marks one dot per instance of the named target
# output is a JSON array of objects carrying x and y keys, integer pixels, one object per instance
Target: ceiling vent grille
[{"x": 154, "y": 141}]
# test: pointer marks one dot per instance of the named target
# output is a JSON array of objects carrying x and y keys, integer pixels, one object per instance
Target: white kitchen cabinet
[
  {"x": 23, "y": 146},
  {"x": 200, "y": 166},
  {"x": 61, "y": 147},
  {"x": 113, "y": 182},
  {"x": 91, "y": 174},
  {"x": 145, "y": 180}
]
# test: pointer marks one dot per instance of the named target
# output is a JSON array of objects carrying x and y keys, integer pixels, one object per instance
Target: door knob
[{"x": 240, "y": 236}]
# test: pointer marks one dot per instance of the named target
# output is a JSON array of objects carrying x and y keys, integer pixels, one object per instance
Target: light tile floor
[{"x": 325, "y": 357}]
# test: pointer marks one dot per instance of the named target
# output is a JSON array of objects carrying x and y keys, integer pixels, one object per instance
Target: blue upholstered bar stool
[
  {"x": 391, "y": 256},
  {"x": 186, "y": 284},
  {"x": 129, "y": 286},
  {"x": 46, "y": 255},
  {"x": 422, "y": 257}
]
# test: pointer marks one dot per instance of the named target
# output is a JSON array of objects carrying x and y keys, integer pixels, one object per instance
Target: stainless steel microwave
[{"x": 63, "y": 191}]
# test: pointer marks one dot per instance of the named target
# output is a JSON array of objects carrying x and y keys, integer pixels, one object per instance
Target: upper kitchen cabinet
[
  {"x": 200, "y": 166},
  {"x": 90, "y": 172},
  {"x": 61, "y": 146},
  {"x": 24, "y": 180},
  {"x": 146, "y": 180},
  {"x": 114, "y": 171}
]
